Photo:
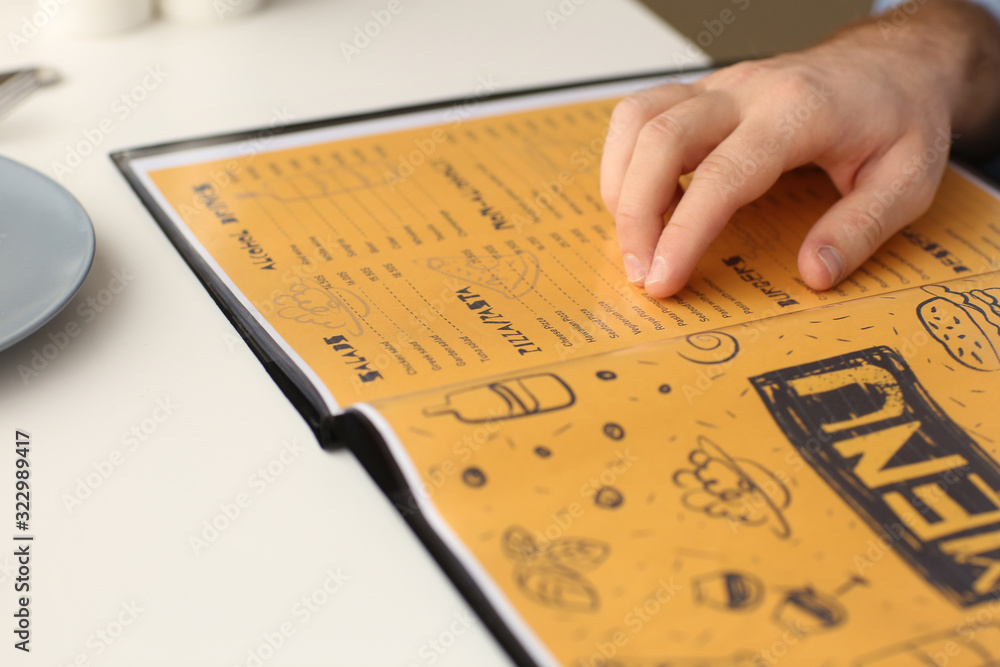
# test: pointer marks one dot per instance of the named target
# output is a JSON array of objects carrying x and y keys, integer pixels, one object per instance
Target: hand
[{"x": 874, "y": 110}]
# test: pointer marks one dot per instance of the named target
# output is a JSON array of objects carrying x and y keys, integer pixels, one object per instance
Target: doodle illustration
[
  {"x": 809, "y": 611},
  {"x": 510, "y": 275},
  {"x": 552, "y": 575},
  {"x": 853, "y": 582},
  {"x": 614, "y": 431},
  {"x": 736, "y": 489},
  {"x": 608, "y": 497},
  {"x": 334, "y": 309},
  {"x": 869, "y": 427},
  {"x": 979, "y": 647},
  {"x": 474, "y": 477},
  {"x": 711, "y": 347},
  {"x": 967, "y": 324},
  {"x": 497, "y": 401},
  {"x": 802, "y": 609},
  {"x": 728, "y": 590}
]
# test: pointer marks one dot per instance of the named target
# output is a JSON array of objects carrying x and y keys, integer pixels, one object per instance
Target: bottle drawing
[{"x": 508, "y": 399}]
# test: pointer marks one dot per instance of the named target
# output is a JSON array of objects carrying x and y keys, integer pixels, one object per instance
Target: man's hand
[{"x": 875, "y": 106}]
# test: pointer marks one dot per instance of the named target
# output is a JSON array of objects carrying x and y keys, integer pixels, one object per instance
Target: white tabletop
[{"x": 159, "y": 405}]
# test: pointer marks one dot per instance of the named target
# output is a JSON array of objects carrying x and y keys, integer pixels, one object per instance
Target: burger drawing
[{"x": 967, "y": 324}]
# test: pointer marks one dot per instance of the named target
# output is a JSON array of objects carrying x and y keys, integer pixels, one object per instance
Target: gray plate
[{"x": 46, "y": 248}]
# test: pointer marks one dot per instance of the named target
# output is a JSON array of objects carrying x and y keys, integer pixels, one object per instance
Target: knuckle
[
  {"x": 629, "y": 216},
  {"x": 663, "y": 129},
  {"x": 795, "y": 85},
  {"x": 736, "y": 75},
  {"x": 717, "y": 167},
  {"x": 684, "y": 232},
  {"x": 719, "y": 178},
  {"x": 633, "y": 110},
  {"x": 867, "y": 227}
]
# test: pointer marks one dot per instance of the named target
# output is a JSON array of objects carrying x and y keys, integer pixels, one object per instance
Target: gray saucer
[{"x": 46, "y": 248}]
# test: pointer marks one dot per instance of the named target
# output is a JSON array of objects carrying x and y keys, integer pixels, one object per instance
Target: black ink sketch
[
  {"x": 728, "y": 590},
  {"x": 511, "y": 275},
  {"x": 614, "y": 431},
  {"x": 713, "y": 347},
  {"x": 474, "y": 477},
  {"x": 736, "y": 489},
  {"x": 333, "y": 309},
  {"x": 507, "y": 399},
  {"x": 967, "y": 324},
  {"x": 872, "y": 431},
  {"x": 606, "y": 375},
  {"x": 979, "y": 643},
  {"x": 608, "y": 497},
  {"x": 552, "y": 574},
  {"x": 664, "y": 389},
  {"x": 543, "y": 452},
  {"x": 807, "y": 611},
  {"x": 851, "y": 583}
]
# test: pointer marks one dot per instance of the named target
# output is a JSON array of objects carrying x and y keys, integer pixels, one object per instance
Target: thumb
[{"x": 886, "y": 197}]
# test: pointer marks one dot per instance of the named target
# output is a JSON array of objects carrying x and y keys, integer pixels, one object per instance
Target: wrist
[{"x": 944, "y": 56}]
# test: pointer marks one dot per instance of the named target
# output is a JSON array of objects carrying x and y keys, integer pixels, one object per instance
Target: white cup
[
  {"x": 206, "y": 11},
  {"x": 103, "y": 17}
]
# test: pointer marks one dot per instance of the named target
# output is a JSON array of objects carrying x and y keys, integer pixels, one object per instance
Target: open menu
[{"x": 744, "y": 472}]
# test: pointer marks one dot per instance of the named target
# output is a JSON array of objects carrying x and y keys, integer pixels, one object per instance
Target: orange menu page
[{"x": 417, "y": 258}]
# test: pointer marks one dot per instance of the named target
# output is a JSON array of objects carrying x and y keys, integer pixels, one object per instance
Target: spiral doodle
[{"x": 714, "y": 347}]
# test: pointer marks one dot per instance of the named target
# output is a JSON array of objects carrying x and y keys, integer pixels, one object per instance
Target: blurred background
[{"x": 765, "y": 26}]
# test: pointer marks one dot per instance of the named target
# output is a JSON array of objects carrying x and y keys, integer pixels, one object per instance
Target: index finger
[
  {"x": 726, "y": 180},
  {"x": 627, "y": 121}
]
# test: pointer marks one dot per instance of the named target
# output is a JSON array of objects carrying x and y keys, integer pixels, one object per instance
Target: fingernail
[
  {"x": 634, "y": 270},
  {"x": 658, "y": 271},
  {"x": 833, "y": 261}
]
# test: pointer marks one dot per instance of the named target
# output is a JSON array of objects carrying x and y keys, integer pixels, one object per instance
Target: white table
[{"x": 159, "y": 392}]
